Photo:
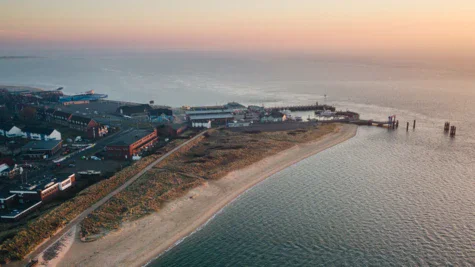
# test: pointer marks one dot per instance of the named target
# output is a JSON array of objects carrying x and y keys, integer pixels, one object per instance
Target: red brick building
[
  {"x": 131, "y": 144},
  {"x": 93, "y": 129}
]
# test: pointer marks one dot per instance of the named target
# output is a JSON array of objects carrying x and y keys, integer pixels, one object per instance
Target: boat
[
  {"x": 328, "y": 113},
  {"x": 325, "y": 113},
  {"x": 87, "y": 96}
]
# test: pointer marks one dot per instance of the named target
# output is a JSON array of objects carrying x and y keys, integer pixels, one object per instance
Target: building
[
  {"x": 24, "y": 199},
  {"x": 171, "y": 130},
  {"x": 134, "y": 110},
  {"x": 10, "y": 131},
  {"x": 44, "y": 189},
  {"x": 131, "y": 143},
  {"x": 203, "y": 117},
  {"x": 45, "y": 134},
  {"x": 160, "y": 115},
  {"x": 41, "y": 149},
  {"x": 235, "y": 106},
  {"x": 7, "y": 200},
  {"x": 274, "y": 116},
  {"x": 92, "y": 128},
  {"x": 61, "y": 117},
  {"x": 10, "y": 172}
]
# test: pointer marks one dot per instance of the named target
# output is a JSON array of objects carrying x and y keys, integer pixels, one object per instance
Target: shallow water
[
  {"x": 381, "y": 198},
  {"x": 378, "y": 199}
]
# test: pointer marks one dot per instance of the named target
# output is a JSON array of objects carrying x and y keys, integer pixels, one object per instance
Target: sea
[{"x": 402, "y": 197}]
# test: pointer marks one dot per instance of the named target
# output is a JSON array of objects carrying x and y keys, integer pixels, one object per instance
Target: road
[{"x": 95, "y": 206}]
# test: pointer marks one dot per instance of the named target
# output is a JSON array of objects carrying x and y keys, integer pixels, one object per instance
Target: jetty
[{"x": 302, "y": 108}]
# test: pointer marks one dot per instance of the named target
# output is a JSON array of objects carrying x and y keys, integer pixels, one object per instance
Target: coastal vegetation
[
  {"x": 221, "y": 152},
  {"x": 25, "y": 237}
]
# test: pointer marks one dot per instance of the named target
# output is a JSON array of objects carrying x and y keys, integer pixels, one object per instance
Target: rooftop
[
  {"x": 42, "y": 145},
  {"x": 6, "y": 126},
  {"x": 62, "y": 114},
  {"x": 129, "y": 110},
  {"x": 19, "y": 210},
  {"x": 30, "y": 129},
  {"x": 160, "y": 111},
  {"x": 130, "y": 137},
  {"x": 211, "y": 116},
  {"x": 211, "y": 111},
  {"x": 80, "y": 119}
]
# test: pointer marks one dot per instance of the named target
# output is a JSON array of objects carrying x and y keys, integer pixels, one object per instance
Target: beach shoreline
[
  {"x": 141, "y": 241},
  {"x": 16, "y": 88}
]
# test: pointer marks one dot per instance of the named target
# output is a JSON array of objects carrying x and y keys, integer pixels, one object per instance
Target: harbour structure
[
  {"x": 274, "y": 116},
  {"x": 88, "y": 96},
  {"x": 131, "y": 144},
  {"x": 202, "y": 117},
  {"x": 315, "y": 107}
]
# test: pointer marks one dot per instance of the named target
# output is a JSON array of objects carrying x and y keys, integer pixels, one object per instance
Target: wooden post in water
[
  {"x": 407, "y": 128},
  {"x": 397, "y": 124},
  {"x": 414, "y": 125},
  {"x": 453, "y": 131},
  {"x": 447, "y": 127}
]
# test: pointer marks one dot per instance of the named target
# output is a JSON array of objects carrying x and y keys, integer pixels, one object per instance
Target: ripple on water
[{"x": 378, "y": 199}]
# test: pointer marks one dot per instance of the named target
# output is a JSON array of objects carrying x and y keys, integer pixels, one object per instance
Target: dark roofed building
[
  {"x": 160, "y": 115},
  {"x": 48, "y": 147},
  {"x": 61, "y": 117},
  {"x": 134, "y": 110},
  {"x": 90, "y": 126},
  {"x": 131, "y": 144}
]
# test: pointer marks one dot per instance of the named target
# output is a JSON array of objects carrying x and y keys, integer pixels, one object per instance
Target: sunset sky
[{"x": 364, "y": 26}]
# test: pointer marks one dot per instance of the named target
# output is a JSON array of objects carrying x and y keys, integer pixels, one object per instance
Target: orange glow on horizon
[{"x": 293, "y": 28}]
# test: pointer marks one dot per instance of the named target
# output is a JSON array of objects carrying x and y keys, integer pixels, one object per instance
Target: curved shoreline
[{"x": 139, "y": 242}]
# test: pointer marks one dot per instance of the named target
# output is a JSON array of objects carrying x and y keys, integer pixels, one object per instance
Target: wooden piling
[
  {"x": 397, "y": 124},
  {"x": 453, "y": 131},
  {"x": 414, "y": 125},
  {"x": 407, "y": 128},
  {"x": 447, "y": 127}
]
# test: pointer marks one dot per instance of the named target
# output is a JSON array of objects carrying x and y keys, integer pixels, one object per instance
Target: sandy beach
[{"x": 138, "y": 242}]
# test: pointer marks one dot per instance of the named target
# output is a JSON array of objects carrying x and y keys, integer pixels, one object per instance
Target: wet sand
[{"x": 138, "y": 242}]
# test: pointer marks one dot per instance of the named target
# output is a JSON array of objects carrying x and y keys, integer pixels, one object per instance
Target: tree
[{"x": 28, "y": 113}]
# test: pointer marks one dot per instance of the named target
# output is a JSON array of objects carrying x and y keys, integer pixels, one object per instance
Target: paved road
[{"x": 88, "y": 211}]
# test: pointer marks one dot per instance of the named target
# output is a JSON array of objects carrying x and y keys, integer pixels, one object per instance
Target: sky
[{"x": 320, "y": 26}]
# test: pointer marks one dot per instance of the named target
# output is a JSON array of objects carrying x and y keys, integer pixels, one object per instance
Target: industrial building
[
  {"x": 131, "y": 143},
  {"x": 19, "y": 202},
  {"x": 41, "y": 149},
  {"x": 210, "y": 115}
]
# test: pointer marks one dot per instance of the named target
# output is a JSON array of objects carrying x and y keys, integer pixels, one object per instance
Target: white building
[
  {"x": 44, "y": 134},
  {"x": 10, "y": 131}
]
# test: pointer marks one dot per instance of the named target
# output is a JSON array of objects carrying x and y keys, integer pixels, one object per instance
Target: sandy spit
[{"x": 138, "y": 242}]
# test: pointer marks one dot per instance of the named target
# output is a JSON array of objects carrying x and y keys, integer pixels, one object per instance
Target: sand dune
[{"x": 140, "y": 241}]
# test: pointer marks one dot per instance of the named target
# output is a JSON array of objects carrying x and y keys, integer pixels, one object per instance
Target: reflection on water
[{"x": 382, "y": 198}]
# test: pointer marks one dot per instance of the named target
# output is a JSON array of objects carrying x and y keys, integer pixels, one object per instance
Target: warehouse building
[{"x": 131, "y": 143}]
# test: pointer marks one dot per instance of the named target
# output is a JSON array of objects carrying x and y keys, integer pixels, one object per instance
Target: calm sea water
[{"x": 380, "y": 199}]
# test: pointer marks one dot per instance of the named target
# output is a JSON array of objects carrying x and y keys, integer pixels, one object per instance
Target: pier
[{"x": 303, "y": 108}]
